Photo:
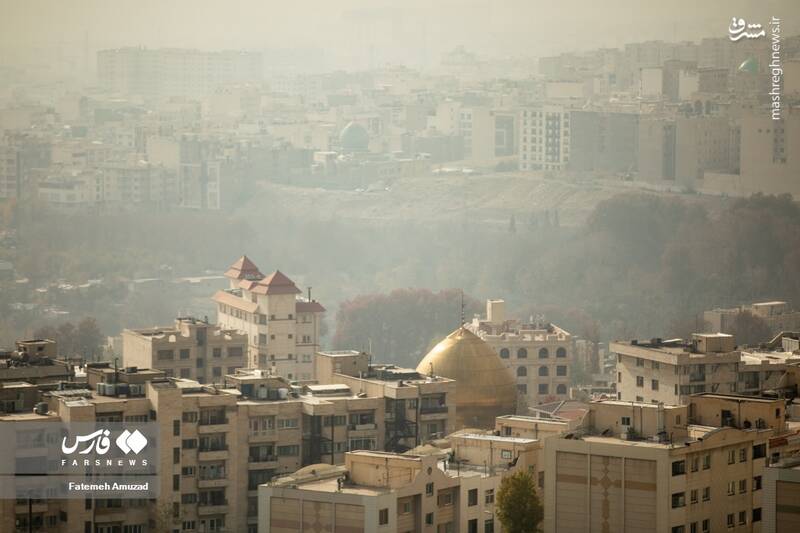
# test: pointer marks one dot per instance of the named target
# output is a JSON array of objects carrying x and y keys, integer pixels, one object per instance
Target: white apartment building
[
  {"x": 283, "y": 329},
  {"x": 544, "y": 137}
]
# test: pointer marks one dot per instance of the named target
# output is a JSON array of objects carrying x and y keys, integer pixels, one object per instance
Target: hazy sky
[{"x": 394, "y": 29}]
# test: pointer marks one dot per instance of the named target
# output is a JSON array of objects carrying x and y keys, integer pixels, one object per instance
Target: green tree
[
  {"x": 88, "y": 339},
  {"x": 518, "y": 507}
]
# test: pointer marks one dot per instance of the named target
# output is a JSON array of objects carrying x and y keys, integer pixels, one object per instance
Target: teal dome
[
  {"x": 354, "y": 138},
  {"x": 749, "y": 65}
]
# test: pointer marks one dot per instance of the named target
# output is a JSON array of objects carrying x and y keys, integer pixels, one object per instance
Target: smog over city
[{"x": 449, "y": 241}]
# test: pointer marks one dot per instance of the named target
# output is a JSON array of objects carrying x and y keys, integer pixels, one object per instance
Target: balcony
[
  {"x": 362, "y": 427},
  {"x": 212, "y": 420},
  {"x": 212, "y": 482},
  {"x": 212, "y": 507},
  {"x": 264, "y": 435},
  {"x": 212, "y": 453},
  {"x": 432, "y": 409}
]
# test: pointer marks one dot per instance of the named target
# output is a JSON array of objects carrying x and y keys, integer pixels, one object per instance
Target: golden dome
[{"x": 485, "y": 388}]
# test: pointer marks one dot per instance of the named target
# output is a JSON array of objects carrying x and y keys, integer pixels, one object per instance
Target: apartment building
[
  {"x": 673, "y": 469},
  {"x": 216, "y": 444},
  {"x": 538, "y": 354},
  {"x": 382, "y": 491},
  {"x": 776, "y": 314},
  {"x": 544, "y": 137},
  {"x": 418, "y": 408},
  {"x": 165, "y": 72},
  {"x": 782, "y": 497},
  {"x": 10, "y": 173},
  {"x": 283, "y": 330},
  {"x": 191, "y": 349},
  {"x": 670, "y": 371}
]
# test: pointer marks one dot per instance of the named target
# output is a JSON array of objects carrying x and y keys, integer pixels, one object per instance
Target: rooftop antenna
[
  {"x": 462, "y": 309},
  {"x": 309, "y": 294}
]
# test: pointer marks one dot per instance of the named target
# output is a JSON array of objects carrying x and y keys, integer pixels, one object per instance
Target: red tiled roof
[
  {"x": 309, "y": 307},
  {"x": 276, "y": 283},
  {"x": 244, "y": 268}
]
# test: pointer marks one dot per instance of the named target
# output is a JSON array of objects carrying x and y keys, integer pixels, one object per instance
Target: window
[
  {"x": 678, "y": 500},
  {"x": 184, "y": 353},
  {"x": 656, "y": 365},
  {"x": 759, "y": 451},
  {"x": 429, "y": 489},
  {"x": 288, "y": 423},
  {"x": 187, "y": 471},
  {"x": 706, "y": 525},
  {"x": 217, "y": 352},
  {"x": 383, "y": 517},
  {"x": 488, "y": 525},
  {"x": 185, "y": 373},
  {"x": 706, "y": 462},
  {"x": 742, "y": 455},
  {"x": 678, "y": 529},
  {"x": 445, "y": 498},
  {"x": 742, "y": 486},
  {"x": 561, "y": 389},
  {"x": 472, "y": 526},
  {"x": 742, "y": 518},
  {"x": 165, "y": 355},
  {"x": 561, "y": 370},
  {"x": 757, "y": 483},
  {"x": 543, "y": 388},
  {"x": 695, "y": 462},
  {"x": 472, "y": 497},
  {"x": 505, "y": 454},
  {"x": 561, "y": 352},
  {"x": 693, "y": 496},
  {"x": 176, "y": 455},
  {"x": 522, "y": 353},
  {"x": 429, "y": 519},
  {"x": 640, "y": 381},
  {"x": 504, "y": 354},
  {"x": 625, "y": 421},
  {"x": 189, "y": 444},
  {"x": 654, "y": 384},
  {"x": 522, "y": 389},
  {"x": 706, "y": 494},
  {"x": 639, "y": 361},
  {"x": 489, "y": 496},
  {"x": 757, "y": 514},
  {"x": 731, "y": 520},
  {"x": 522, "y": 372},
  {"x": 731, "y": 488},
  {"x": 731, "y": 456},
  {"x": 543, "y": 371},
  {"x": 678, "y": 468},
  {"x": 543, "y": 353},
  {"x": 216, "y": 372},
  {"x": 291, "y": 450}
]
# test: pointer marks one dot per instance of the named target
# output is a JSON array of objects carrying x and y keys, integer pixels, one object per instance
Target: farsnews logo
[
  {"x": 739, "y": 29},
  {"x": 99, "y": 442}
]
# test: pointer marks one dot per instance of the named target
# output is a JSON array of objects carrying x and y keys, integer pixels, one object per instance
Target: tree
[
  {"x": 518, "y": 507},
  {"x": 88, "y": 339}
]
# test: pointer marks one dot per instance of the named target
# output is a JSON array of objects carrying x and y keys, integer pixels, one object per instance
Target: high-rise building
[
  {"x": 544, "y": 137},
  {"x": 165, "y": 72}
]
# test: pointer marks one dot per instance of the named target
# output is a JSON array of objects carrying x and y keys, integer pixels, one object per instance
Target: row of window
[
  {"x": 731, "y": 521},
  {"x": 186, "y": 353},
  {"x": 543, "y": 388},
  {"x": 561, "y": 370},
  {"x": 522, "y": 353},
  {"x": 679, "y": 498}
]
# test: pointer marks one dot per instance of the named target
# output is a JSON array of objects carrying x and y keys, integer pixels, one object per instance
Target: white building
[
  {"x": 544, "y": 137},
  {"x": 283, "y": 330}
]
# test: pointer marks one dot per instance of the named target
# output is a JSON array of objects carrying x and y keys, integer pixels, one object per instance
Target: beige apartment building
[
  {"x": 538, "y": 354},
  {"x": 782, "y": 496},
  {"x": 283, "y": 330},
  {"x": 216, "y": 445},
  {"x": 669, "y": 371},
  {"x": 382, "y": 491},
  {"x": 191, "y": 349},
  {"x": 544, "y": 137},
  {"x": 418, "y": 408},
  {"x": 672, "y": 469}
]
